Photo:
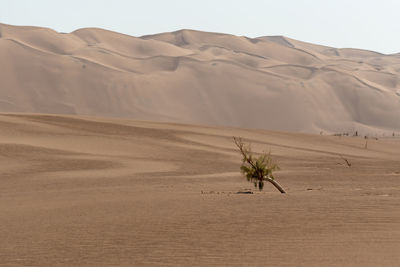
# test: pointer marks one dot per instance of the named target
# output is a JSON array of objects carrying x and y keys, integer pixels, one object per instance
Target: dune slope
[
  {"x": 81, "y": 191},
  {"x": 199, "y": 77}
]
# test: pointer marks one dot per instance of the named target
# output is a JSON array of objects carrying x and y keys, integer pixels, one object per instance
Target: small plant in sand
[{"x": 257, "y": 169}]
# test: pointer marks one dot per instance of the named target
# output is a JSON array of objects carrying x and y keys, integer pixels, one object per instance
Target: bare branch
[{"x": 347, "y": 162}]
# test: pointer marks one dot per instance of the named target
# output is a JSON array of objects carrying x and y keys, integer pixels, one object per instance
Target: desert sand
[
  {"x": 195, "y": 77},
  {"x": 91, "y": 191}
]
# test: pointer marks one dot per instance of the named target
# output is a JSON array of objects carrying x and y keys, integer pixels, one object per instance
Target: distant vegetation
[
  {"x": 366, "y": 136},
  {"x": 257, "y": 169}
]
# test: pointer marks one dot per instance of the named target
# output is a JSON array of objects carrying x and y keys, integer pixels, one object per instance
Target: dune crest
[{"x": 199, "y": 77}]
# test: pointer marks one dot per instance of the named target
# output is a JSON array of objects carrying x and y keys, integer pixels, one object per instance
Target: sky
[{"x": 366, "y": 24}]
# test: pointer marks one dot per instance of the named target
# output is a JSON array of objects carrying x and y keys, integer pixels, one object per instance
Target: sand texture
[
  {"x": 85, "y": 191},
  {"x": 199, "y": 77}
]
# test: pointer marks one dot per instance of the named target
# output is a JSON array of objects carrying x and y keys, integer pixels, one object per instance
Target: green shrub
[{"x": 257, "y": 169}]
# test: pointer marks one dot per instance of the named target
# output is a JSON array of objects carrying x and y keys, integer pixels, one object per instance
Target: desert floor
[{"x": 80, "y": 191}]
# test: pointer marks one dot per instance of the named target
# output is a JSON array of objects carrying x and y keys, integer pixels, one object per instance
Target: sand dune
[
  {"x": 82, "y": 191},
  {"x": 199, "y": 77}
]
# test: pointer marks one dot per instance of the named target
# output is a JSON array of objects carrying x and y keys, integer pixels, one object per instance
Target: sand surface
[
  {"x": 82, "y": 191},
  {"x": 198, "y": 77}
]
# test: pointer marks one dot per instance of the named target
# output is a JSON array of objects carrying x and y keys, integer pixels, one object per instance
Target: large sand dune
[
  {"x": 80, "y": 191},
  {"x": 199, "y": 77}
]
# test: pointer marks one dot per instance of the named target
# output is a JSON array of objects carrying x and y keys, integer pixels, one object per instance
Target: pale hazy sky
[{"x": 367, "y": 24}]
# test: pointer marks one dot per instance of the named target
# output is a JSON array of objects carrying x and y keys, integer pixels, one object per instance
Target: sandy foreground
[{"x": 80, "y": 191}]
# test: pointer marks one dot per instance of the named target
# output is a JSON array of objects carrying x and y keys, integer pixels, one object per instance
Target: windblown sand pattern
[
  {"x": 85, "y": 191},
  {"x": 199, "y": 77}
]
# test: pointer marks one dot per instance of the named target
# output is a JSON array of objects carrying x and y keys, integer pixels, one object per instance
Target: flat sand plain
[{"x": 84, "y": 191}]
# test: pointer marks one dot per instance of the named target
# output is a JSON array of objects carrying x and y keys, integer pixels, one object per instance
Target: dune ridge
[{"x": 189, "y": 76}]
